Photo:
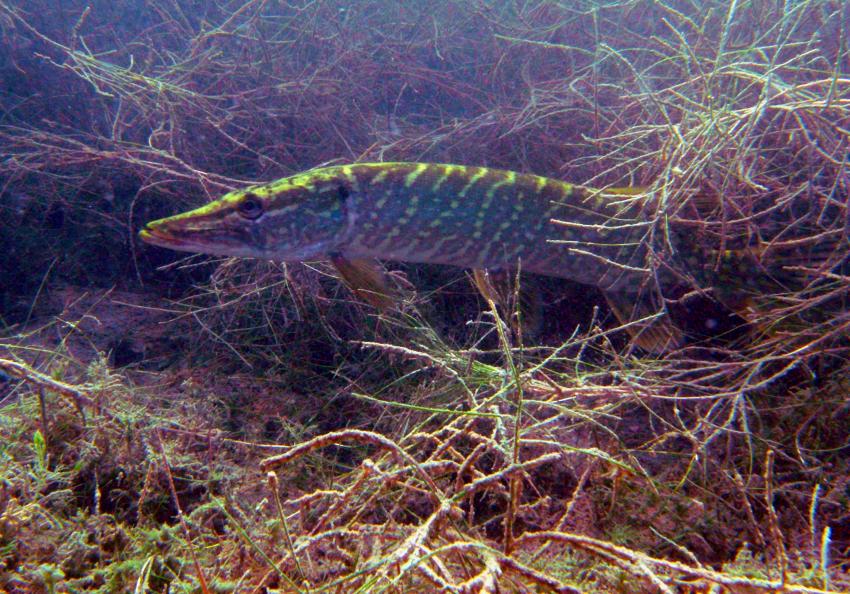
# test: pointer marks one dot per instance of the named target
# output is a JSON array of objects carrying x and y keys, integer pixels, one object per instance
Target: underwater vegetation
[{"x": 632, "y": 376}]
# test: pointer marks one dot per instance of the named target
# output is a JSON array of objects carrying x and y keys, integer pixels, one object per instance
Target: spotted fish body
[{"x": 473, "y": 217}]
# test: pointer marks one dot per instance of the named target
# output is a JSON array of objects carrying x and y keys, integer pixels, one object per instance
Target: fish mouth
[
  {"x": 159, "y": 236},
  {"x": 165, "y": 233}
]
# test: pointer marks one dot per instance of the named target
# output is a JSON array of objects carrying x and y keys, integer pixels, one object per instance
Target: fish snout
[{"x": 158, "y": 233}]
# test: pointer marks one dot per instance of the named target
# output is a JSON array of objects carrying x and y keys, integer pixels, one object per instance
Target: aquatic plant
[{"x": 280, "y": 435}]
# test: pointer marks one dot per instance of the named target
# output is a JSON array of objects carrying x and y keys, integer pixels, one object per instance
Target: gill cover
[{"x": 292, "y": 219}]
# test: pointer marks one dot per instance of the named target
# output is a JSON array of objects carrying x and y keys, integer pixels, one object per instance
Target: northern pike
[{"x": 473, "y": 217}]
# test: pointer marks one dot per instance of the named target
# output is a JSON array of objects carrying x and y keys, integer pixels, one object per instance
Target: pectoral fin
[
  {"x": 367, "y": 280},
  {"x": 655, "y": 334}
]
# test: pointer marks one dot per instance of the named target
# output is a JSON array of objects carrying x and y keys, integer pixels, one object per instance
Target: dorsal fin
[{"x": 625, "y": 191}]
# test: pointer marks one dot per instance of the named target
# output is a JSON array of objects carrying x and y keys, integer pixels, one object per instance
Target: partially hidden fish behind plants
[{"x": 473, "y": 217}]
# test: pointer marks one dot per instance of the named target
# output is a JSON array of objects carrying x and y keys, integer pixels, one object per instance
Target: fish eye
[{"x": 250, "y": 207}]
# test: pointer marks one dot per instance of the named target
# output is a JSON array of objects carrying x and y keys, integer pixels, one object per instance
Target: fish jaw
[
  {"x": 158, "y": 235},
  {"x": 187, "y": 234}
]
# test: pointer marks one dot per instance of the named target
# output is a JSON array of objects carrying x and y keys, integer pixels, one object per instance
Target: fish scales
[
  {"x": 482, "y": 218},
  {"x": 474, "y": 217},
  {"x": 478, "y": 217}
]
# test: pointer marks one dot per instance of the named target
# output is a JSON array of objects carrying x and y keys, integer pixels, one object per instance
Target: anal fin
[
  {"x": 367, "y": 280},
  {"x": 652, "y": 332}
]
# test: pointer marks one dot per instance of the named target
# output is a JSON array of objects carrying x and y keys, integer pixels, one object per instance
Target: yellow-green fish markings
[{"x": 473, "y": 217}]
